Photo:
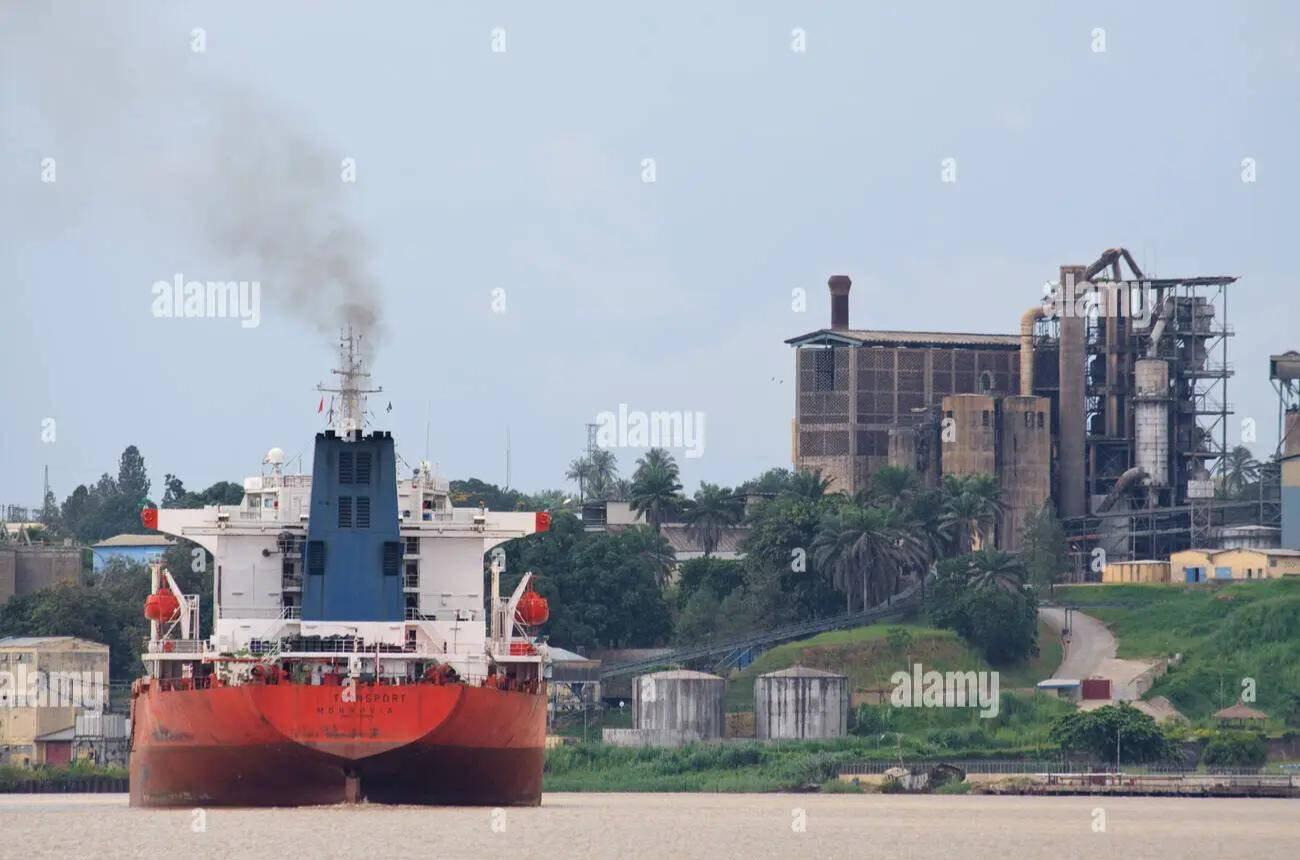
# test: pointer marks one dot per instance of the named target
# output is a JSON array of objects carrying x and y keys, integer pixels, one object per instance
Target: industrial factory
[{"x": 1111, "y": 400}]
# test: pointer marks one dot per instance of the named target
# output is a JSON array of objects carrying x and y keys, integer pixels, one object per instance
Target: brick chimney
[{"x": 839, "y": 285}]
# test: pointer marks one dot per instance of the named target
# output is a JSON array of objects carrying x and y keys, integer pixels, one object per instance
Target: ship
[{"x": 352, "y": 654}]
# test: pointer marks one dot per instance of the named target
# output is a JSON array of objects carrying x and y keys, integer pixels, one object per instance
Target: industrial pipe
[
  {"x": 1027, "y": 348},
  {"x": 1122, "y": 485}
]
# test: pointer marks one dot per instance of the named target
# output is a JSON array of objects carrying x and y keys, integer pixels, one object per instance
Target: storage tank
[
  {"x": 800, "y": 702},
  {"x": 1151, "y": 417},
  {"x": 968, "y": 434},
  {"x": 680, "y": 705},
  {"x": 1024, "y": 463}
]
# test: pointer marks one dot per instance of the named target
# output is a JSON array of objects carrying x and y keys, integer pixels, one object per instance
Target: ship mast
[{"x": 351, "y": 413}]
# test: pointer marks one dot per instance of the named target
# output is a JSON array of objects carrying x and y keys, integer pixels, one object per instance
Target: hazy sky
[{"x": 523, "y": 170}]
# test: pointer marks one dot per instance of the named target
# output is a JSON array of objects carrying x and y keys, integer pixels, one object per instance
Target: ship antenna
[{"x": 350, "y": 417}]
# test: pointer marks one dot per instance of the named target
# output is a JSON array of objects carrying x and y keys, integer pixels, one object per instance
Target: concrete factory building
[
  {"x": 1110, "y": 400},
  {"x": 28, "y": 568},
  {"x": 801, "y": 703},
  {"x": 48, "y": 681}
]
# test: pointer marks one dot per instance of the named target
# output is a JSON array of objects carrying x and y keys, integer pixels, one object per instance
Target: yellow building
[
  {"x": 1145, "y": 570},
  {"x": 1221, "y": 565},
  {"x": 45, "y": 681}
]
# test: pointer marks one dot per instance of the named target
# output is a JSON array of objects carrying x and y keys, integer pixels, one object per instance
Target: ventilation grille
[
  {"x": 363, "y": 467},
  {"x": 345, "y": 467},
  {"x": 345, "y": 512},
  {"x": 316, "y": 557},
  {"x": 363, "y": 512},
  {"x": 392, "y": 557}
]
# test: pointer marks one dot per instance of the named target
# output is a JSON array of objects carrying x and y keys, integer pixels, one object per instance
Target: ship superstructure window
[
  {"x": 363, "y": 512},
  {"x": 345, "y": 467},
  {"x": 363, "y": 467},
  {"x": 345, "y": 512},
  {"x": 412, "y": 546}
]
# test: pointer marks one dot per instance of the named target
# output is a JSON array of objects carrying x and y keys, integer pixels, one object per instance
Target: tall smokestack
[
  {"x": 1072, "y": 359},
  {"x": 839, "y": 285}
]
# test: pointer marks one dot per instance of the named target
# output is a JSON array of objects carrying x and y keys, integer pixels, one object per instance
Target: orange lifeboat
[
  {"x": 161, "y": 605},
  {"x": 532, "y": 609}
]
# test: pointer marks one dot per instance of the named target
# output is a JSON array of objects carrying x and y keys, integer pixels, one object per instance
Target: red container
[{"x": 1096, "y": 688}]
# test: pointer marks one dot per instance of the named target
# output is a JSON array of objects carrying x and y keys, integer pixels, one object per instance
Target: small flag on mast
[
  {"x": 321, "y": 406},
  {"x": 390, "y": 406}
]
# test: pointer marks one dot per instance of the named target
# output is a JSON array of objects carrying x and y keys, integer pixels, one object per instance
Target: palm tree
[
  {"x": 974, "y": 506},
  {"x": 894, "y": 485},
  {"x": 862, "y": 549},
  {"x": 809, "y": 484},
  {"x": 654, "y": 547},
  {"x": 991, "y": 568},
  {"x": 713, "y": 509},
  {"x": 655, "y": 487},
  {"x": 928, "y": 522},
  {"x": 580, "y": 470},
  {"x": 604, "y": 473},
  {"x": 1239, "y": 469}
]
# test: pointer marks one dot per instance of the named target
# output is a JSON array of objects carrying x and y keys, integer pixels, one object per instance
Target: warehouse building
[{"x": 1221, "y": 565}]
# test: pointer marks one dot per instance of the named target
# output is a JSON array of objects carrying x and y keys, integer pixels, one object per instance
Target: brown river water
[{"x": 653, "y": 826}]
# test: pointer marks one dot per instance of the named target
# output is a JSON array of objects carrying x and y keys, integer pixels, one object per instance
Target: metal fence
[{"x": 1029, "y": 766}]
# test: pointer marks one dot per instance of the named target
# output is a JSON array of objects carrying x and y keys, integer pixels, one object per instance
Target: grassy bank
[
  {"x": 1224, "y": 633},
  {"x": 868, "y": 656},
  {"x": 730, "y": 767},
  {"x": 12, "y": 776}
]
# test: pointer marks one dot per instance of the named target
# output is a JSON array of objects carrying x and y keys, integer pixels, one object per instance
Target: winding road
[{"x": 1089, "y": 645}]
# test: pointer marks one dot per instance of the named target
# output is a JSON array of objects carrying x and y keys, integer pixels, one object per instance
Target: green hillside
[
  {"x": 1224, "y": 633},
  {"x": 868, "y": 656}
]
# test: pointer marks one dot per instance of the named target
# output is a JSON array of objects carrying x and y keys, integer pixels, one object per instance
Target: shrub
[{"x": 1235, "y": 749}]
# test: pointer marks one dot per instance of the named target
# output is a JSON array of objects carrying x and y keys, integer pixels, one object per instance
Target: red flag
[{"x": 321, "y": 407}]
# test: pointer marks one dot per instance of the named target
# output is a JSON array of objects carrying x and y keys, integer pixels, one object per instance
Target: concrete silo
[
  {"x": 679, "y": 706},
  {"x": 968, "y": 435},
  {"x": 1151, "y": 417},
  {"x": 1024, "y": 463},
  {"x": 801, "y": 703}
]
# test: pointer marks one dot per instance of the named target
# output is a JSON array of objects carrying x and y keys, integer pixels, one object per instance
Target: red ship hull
[{"x": 296, "y": 745}]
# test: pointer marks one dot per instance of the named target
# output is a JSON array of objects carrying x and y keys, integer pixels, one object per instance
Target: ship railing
[
  {"x": 264, "y": 612},
  {"x": 170, "y": 685},
  {"x": 173, "y": 646}
]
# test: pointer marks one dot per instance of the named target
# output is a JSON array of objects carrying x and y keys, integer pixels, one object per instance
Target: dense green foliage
[
  {"x": 1235, "y": 749},
  {"x": 110, "y": 506},
  {"x": 603, "y": 588},
  {"x": 982, "y": 597},
  {"x": 1113, "y": 733},
  {"x": 110, "y": 611},
  {"x": 1043, "y": 548}
]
